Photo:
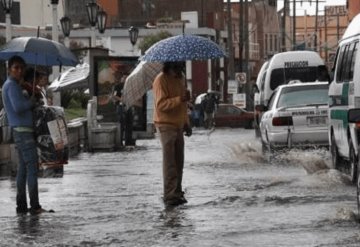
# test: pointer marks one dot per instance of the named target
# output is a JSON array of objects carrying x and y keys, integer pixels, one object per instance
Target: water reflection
[
  {"x": 173, "y": 217},
  {"x": 29, "y": 225}
]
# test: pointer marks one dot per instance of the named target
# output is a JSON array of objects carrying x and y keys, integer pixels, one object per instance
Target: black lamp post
[
  {"x": 7, "y": 6},
  {"x": 66, "y": 28},
  {"x": 101, "y": 20},
  {"x": 54, "y": 30},
  {"x": 133, "y": 34},
  {"x": 92, "y": 11}
]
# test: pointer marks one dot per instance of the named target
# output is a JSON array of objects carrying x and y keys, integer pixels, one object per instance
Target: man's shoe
[
  {"x": 173, "y": 202},
  {"x": 176, "y": 201},
  {"x": 183, "y": 200},
  {"x": 40, "y": 211},
  {"x": 22, "y": 210}
]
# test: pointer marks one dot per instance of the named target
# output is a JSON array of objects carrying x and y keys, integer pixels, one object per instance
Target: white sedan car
[{"x": 297, "y": 116}]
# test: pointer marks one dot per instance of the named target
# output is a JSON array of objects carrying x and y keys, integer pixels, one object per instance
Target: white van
[
  {"x": 257, "y": 100},
  {"x": 302, "y": 66},
  {"x": 344, "y": 102}
]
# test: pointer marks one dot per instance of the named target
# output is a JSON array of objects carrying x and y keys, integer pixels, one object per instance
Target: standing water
[{"x": 235, "y": 198}]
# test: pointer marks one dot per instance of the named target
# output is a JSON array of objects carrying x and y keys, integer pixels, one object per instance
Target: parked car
[
  {"x": 228, "y": 115},
  {"x": 283, "y": 67},
  {"x": 297, "y": 116}
]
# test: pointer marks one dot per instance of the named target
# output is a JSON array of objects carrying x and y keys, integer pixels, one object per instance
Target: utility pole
[
  {"x": 241, "y": 34},
  {"x": 316, "y": 24},
  {"x": 247, "y": 49},
  {"x": 294, "y": 26},
  {"x": 231, "y": 71},
  {"x": 337, "y": 27},
  {"x": 246, "y": 36},
  {"x": 283, "y": 24},
  {"x": 326, "y": 39}
]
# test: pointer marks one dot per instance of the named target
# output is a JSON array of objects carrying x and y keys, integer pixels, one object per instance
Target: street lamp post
[
  {"x": 92, "y": 11},
  {"x": 66, "y": 28},
  {"x": 133, "y": 34},
  {"x": 54, "y": 30},
  {"x": 7, "y": 5},
  {"x": 101, "y": 20}
]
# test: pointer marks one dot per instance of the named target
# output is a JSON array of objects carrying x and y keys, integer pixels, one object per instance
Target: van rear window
[{"x": 305, "y": 74}]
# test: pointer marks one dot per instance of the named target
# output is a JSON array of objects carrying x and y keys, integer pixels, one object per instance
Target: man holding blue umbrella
[
  {"x": 170, "y": 100},
  {"x": 19, "y": 113},
  {"x": 171, "y": 121}
]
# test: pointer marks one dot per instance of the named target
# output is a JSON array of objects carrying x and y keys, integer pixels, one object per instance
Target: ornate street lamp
[
  {"x": 101, "y": 20},
  {"x": 66, "y": 28},
  {"x": 92, "y": 11},
  {"x": 133, "y": 34},
  {"x": 7, "y": 6}
]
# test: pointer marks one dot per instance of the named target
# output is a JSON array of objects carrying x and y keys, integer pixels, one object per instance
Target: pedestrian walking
[
  {"x": 19, "y": 112},
  {"x": 171, "y": 121},
  {"x": 120, "y": 108},
  {"x": 209, "y": 106}
]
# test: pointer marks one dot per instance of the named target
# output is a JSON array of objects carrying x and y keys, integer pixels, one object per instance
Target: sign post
[{"x": 239, "y": 100}]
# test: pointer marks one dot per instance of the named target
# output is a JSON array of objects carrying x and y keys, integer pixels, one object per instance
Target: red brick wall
[
  {"x": 354, "y": 8},
  {"x": 131, "y": 11}
]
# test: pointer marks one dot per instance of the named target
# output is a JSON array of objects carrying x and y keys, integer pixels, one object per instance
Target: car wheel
[
  {"x": 334, "y": 153},
  {"x": 353, "y": 162}
]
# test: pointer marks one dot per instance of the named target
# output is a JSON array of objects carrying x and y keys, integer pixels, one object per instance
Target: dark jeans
[
  {"x": 172, "y": 142},
  {"x": 27, "y": 170}
]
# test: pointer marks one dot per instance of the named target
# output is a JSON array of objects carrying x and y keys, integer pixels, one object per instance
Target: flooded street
[{"x": 235, "y": 199}]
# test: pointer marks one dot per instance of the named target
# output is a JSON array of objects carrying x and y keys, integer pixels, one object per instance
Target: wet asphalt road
[{"x": 235, "y": 199}]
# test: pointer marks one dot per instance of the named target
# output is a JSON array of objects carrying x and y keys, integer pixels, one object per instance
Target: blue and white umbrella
[
  {"x": 183, "y": 47},
  {"x": 38, "y": 51}
]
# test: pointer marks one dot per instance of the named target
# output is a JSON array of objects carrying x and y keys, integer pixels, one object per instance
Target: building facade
[
  {"x": 354, "y": 8},
  {"x": 259, "y": 35}
]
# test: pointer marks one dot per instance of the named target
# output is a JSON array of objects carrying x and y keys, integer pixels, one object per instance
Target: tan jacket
[{"x": 169, "y": 109}]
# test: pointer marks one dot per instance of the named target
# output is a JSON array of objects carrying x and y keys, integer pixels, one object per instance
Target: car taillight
[
  {"x": 357, "y": 124},
  {"x": 282, "y": 121}
]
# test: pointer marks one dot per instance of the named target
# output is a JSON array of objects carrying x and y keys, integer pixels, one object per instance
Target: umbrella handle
[{"x": 33, "y": 89}]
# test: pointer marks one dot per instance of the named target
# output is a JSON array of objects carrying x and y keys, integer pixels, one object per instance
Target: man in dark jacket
[{"x": 209, "y": 104}]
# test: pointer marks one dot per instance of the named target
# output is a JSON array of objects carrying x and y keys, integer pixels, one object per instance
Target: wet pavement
[{"x": 235, "y": 198}]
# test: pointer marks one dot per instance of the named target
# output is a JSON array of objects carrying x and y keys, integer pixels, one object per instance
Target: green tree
[{"x": 149, "y": 40}]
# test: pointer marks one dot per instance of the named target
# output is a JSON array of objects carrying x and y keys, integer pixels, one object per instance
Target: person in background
[
  {"x": 209, "y": 105},
  {"x": 28, "y": 84},
  {"x": 36, "y": 81},
  {"x": 120, "y": 107},
  {"x": 43, "y": 83},
  {"x": 19, "y": 112},
  {"x": 171, "y": 121}
]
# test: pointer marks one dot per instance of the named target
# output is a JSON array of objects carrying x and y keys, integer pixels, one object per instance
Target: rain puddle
[{"x": 236, "y": 198}]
